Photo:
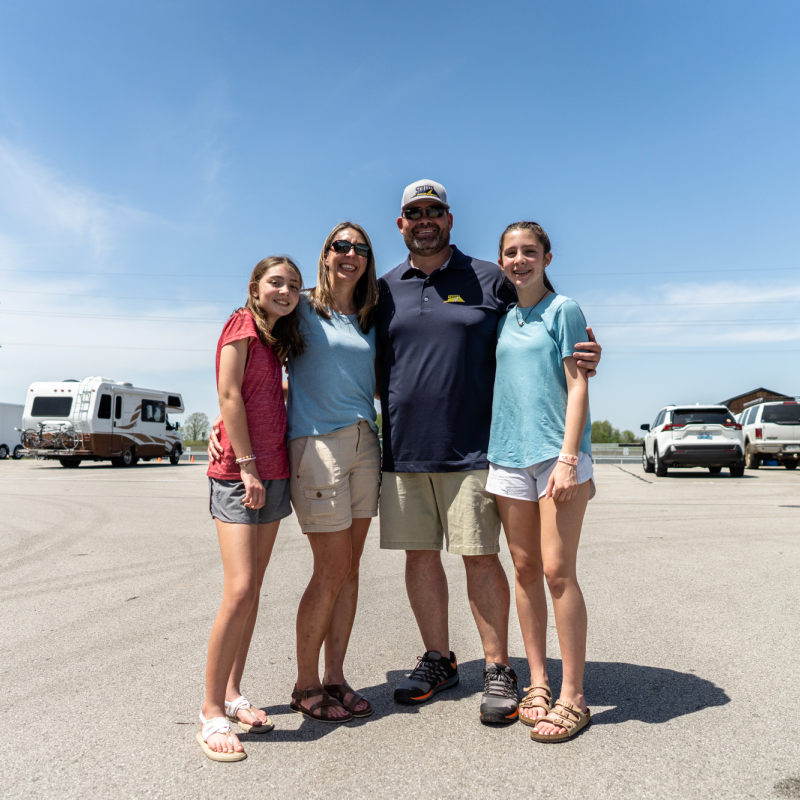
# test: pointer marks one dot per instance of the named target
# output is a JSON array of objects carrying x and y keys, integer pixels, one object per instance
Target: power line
[
  {"x": 111, "y": 347},
  {"x": 234, "y": 302},
  {"x": 556, "y": 273},
  {"x": 110, "y": 317}
]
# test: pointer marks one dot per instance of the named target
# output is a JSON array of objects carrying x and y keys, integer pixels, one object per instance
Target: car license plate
[
  {"x": 703, "y": 435},
  {"x": 793, "y": 447}
]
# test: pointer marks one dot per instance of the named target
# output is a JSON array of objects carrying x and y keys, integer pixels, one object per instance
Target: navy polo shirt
[{"x": 436, "y": 341}]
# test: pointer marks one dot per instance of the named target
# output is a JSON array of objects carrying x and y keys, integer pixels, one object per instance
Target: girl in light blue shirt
[{"x": 540, "y": 469}]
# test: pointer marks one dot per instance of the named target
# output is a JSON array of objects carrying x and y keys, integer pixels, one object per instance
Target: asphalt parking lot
[{"x": 110, "y": 580}]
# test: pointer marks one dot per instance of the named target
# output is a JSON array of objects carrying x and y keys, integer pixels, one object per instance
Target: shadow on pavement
[{"x": 647, "y": 694}]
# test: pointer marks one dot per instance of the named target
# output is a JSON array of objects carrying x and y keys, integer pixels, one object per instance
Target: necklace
[{"x": 522, "y": 321}]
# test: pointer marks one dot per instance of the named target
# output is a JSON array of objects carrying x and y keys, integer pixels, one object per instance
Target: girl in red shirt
[{"x": 249, "y": 488}]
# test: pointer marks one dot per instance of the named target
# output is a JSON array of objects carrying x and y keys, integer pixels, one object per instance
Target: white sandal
[
  {"x": 212, "y": 726},
  {"x": 243, "y": 704}
]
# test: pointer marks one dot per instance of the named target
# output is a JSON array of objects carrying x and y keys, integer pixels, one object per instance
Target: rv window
[
  {"x": 173, "y": 401},
  {"x": 153, "y": 411},
  {"x": 117, "y": 407},
  {"x": 51, "y": 406},
  {"x": 104, "y": 411}
]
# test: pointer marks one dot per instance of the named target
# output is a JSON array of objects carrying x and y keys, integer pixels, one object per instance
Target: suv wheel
[
  {"x": 751, "y": 460},
  {"x": 659, "y": 467},
  {"x": 737, "y": 469},
  {"x": 646, "y": 465}
]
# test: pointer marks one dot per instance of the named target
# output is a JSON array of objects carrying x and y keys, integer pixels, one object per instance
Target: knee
[
  {"x": 423, "y": 559},
  {"x": 558, "y": 579},
  {"x": 527, "y": 570},
  {"x": 240, "y": 598},
  {"x": 333, "y": 572},
  {"x": 482, "y": 564}
]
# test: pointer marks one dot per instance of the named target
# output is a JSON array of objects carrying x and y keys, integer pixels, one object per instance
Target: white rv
[
  {"x": 10, "y": 423},
  {"x": 98, "y": 419}
]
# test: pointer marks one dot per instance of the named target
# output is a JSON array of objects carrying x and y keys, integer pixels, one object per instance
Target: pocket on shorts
[
  {"x": 319, "y": 465},
  {"x": 321, "y": 503}
]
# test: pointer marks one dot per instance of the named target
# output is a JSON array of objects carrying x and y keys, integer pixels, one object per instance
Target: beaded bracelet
[
  {"x": 245, "y": 459},
  {"x": 565, "y": 458}
]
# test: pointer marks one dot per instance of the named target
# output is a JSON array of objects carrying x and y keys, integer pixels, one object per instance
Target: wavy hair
[
  {"x": 366, "y": 294},
  {"x": 285, "y": 336},
  {"x": 539, "y": 232}
]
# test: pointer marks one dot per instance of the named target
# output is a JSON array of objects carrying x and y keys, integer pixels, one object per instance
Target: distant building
[{"x": 737, "y": 404}]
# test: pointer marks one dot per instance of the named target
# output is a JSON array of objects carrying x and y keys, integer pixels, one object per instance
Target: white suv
[
  {"x": 772, "y": 431},
  {"x": 694, "y": 436}
]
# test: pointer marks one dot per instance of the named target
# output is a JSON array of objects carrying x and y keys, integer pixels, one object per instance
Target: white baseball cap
[{"x": 424, "y": 190}]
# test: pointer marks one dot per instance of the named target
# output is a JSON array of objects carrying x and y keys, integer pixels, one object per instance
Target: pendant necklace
[{"x": 522, "y": 321}]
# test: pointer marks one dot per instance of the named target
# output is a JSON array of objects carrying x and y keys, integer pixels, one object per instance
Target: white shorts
[{"x": 530, "y": 483}]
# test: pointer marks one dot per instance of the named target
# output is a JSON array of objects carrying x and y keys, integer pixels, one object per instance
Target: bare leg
[
  {"x": 561, "y": 533},
  {"x": 237, "y": 544},
  {"x": 344, "y": 611},
  {"x": 332, "y": 556},
  {"x": 489, "y": 599},
  {"x": 426, "y": 584},
  {"x": 265, "y": 540},
  {"x": 522, "y": 525}
]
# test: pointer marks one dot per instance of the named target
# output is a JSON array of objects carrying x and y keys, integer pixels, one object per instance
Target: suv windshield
[
  {"x": 784, "y": 414},
  {"x": 702, "y": 416}
]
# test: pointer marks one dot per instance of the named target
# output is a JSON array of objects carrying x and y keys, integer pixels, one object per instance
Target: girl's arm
[
  {"x": 563, "y": 483},
  {"x": 232, "y": 361}
]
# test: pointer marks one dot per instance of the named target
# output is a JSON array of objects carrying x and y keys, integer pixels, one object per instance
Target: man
[{"x": 436, "y": 327}]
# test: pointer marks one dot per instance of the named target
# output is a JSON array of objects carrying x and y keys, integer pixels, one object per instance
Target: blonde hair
[
  {"x": 285, "y": 336},
  {"x": 366, "y": 294}
]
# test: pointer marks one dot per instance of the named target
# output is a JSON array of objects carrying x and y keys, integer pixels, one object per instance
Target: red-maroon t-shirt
[{"x": 262, "y": 392}]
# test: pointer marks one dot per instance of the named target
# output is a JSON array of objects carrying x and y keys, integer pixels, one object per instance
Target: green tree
[
  {"x": 604, "y": 433},
  {"x": 195, "y": 429}
]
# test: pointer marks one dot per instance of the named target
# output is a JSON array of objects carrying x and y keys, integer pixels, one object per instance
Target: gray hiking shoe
[
  {"x": 433, "y": 673},
  {"x": 500, "y": 701}
]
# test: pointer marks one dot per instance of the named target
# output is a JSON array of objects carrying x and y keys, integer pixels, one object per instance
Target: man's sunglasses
[
  {"x": 343, "y": 247},
  {"x": 416, "y": 212}
]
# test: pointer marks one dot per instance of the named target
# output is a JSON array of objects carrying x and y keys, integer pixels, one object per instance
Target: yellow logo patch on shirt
[{"x": 454, "y": 298}]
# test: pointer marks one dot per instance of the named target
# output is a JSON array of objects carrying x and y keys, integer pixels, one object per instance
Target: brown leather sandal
[
  {"x": 341, "y": 690},
  {"x": 326, "y": 702},
  {"x": 564, "y": 715},
  {"x": 534, "y": 699}
]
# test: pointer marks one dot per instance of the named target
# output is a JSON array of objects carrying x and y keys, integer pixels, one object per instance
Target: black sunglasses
[
  {"x": 342, "y": 246},
  {"x": 416, "y": 212}
]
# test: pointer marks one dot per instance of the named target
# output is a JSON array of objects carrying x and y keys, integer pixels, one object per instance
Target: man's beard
[{"x": 429, "y": 247}]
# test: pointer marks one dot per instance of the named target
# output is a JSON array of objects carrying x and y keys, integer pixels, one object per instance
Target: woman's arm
[
  {"x": 233, "y": 359},
  {"x": 563, "y": 483}
]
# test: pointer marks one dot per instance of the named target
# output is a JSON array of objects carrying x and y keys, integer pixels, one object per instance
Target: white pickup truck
[{"x": 772, "y": 432}]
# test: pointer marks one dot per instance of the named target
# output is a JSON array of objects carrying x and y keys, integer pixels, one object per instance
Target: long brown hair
[
  {"x": 366, "y": 294},
  {"x": 539, "y": 232},
  {"x": 285, "y": 336}
]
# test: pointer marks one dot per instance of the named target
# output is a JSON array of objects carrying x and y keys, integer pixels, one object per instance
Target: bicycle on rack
[{"x": 49, "y": 437}]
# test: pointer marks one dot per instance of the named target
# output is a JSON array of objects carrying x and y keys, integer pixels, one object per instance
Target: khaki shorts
[
  {"x": 335, "y": 478},
  {"x": 421, "y": 509}
]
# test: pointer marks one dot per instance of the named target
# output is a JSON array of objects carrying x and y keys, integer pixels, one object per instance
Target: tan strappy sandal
[
  {"x": 567, "y": 716},
  {"x": 319, "y": 710},
  {"x": 534, "y": 700}
]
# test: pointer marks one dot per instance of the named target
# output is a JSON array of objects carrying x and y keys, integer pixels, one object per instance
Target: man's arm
[{"x": 587, "y": 354}]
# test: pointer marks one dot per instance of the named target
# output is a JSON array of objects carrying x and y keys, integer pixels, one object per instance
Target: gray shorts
[{"x": 225, "y": 502}]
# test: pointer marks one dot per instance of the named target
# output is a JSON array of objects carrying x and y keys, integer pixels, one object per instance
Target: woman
[
  {"x": 334, "y": 458},
  {"x": 540, "y": 468}
]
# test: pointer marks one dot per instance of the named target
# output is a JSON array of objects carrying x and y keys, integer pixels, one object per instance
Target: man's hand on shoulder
[{"x": 587, "y": 354}]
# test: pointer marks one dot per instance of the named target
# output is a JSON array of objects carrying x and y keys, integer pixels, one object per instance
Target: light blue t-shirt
[
  {"x": 530, "y": 389},
  {"x": 332, "y": 385}
]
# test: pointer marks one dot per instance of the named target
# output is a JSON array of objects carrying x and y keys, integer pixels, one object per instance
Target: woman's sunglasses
[
  {"x": 432, "y": 212},
  {"x": 343, "y": 247}
]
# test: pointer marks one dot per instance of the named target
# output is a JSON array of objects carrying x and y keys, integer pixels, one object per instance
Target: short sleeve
[
  {"x": 506, "y": 294},
  {"x": 240, "y": 326},
  {"x": 569, "y": 327}
]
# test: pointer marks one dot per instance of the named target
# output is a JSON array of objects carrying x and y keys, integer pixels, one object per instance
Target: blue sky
[{"x": 152, "y": 153}]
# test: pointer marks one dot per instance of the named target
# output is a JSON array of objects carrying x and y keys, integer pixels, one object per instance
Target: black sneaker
[
  {"x": 433, "y": 673},
  {"x": 500, "y": 700}
]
